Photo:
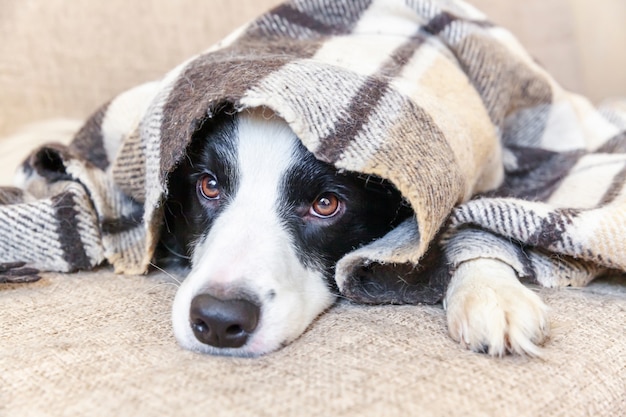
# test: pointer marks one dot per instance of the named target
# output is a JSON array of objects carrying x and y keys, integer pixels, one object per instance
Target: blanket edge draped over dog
[{"x": 496, "y": 159}]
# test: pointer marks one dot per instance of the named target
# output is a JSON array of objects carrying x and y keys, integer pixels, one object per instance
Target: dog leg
[{"x": 490, "y": 311}]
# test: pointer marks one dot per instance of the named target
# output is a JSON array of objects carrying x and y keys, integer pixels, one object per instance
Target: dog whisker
[
  {"x": 159, "y": 285},
  {"x": 176, "y": 282},
  {"x": 173, "y": 252}
]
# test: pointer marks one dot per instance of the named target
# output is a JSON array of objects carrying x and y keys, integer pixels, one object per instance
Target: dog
[{"x": 261, "y": 224}]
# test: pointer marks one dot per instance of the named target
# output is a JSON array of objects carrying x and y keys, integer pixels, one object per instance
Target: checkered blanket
[{"x": 495, "y": 158}]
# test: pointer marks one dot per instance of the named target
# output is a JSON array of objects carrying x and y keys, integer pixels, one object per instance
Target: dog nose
[{"x": 222, "y": 323}]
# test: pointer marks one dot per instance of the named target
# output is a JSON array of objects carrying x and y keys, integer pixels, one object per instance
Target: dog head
[{"x": 263, "y": 224}]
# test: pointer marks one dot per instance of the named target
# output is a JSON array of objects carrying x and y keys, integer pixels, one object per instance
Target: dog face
[{"x": 263, "y": 224}]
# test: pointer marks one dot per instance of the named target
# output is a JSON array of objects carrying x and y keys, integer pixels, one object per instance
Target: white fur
[
  {"x": 249, "y": 249},
  {"x": 489, "y": 310}
]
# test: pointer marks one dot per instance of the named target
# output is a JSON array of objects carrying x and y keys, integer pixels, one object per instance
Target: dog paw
[{"x": 489, "y": 311}]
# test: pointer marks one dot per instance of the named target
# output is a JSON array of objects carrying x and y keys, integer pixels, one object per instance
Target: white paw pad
[{"x": 488, "y": 310}]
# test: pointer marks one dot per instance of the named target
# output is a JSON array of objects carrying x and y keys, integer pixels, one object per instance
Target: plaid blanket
[{"x": 495, "y": 158}]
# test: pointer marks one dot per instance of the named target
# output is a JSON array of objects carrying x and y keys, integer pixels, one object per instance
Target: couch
[{"x": 95, "y": 343}]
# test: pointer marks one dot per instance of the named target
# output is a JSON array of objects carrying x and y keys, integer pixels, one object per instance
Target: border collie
[{"x": 263, "y": 223}]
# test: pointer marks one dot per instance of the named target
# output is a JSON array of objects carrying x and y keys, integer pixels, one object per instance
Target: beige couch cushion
[{"x": 96, "y": 344}]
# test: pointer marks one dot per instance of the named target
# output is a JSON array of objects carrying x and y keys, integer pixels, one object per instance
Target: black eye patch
[
  {"x": 212, "y": 149},
  {"x": 372, "y": 207}
]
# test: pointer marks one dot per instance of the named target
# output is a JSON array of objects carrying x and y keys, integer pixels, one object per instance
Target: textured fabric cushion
[{"x": 98, "y": 344}]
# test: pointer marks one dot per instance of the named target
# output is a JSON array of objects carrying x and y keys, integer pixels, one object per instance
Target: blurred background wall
[{"x": 63, "y": 58}]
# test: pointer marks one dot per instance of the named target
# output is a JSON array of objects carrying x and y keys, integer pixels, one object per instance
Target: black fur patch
[
  {"x": 186, "y": 219},
  {"x": 372, "y": 207}
]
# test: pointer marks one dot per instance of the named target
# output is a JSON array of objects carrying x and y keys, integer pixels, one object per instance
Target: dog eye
[
  {"x": 209, "y": 187},
  {"x": 325, "y": 206}
]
